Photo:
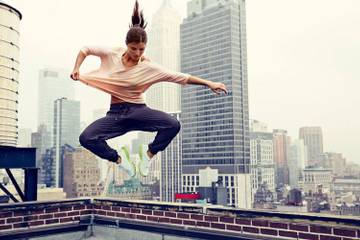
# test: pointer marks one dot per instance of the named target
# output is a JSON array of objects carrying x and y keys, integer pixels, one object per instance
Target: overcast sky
[{"x": 303, "y": 58}]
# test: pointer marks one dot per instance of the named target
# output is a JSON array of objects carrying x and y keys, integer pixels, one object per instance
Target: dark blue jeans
[{"x": 125, "y": 117}]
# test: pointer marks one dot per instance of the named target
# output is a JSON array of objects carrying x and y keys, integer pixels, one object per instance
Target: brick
[
  {"x": 251, "y": 230},
  {"x": 6, "y": 214},
  {"x": 115, "y": 208},
  {"x": 308, "y": 236},
  {"x": 197, "y": 217},
  {"x": 233, "y": 227},
  {"x": 202, "y": 224},
  {"x": 130, "y": 215},
  {"x": 189, "y": 222},
  {"x": 21, "y": 225},
  {"x": 175, "y": 221},
  {"x": 227, "y": 219},
  {"x": 164, "y": 220},
  {"x": 37, "y": 223},
  {"x": 147, "y": 211},
  {"x": 170, "y": 214},
  {"x": 31, "y": 218},
  {"x": 79, "y": 207},
  {"x": 2, "y": 221},
  {"x": 152, "y": 218},
  {"x": 217, "y": 225},
  {"x": 37, "y": 211},
  {"x": 288, "y": 234},
  {"x": 121, "y": 215},
  {"x": 101, "y": 212},
  {"x": 14, "y": 220},
  {"x": 267, "y": 231},
  {"x": 76, "y": 218},
  {"x": 51, "y": 221},
  {"x": 279, "y": 225},
  {"x": 135, "y": 210},
  {"x": 141, "y": 217},
  {"x": 85, "y": 212},
  {"x": 67, "y": 219},
  {"x": 108, "y": 208},
  {"x": 260, "y": 223},
  {"x": 97, "y": 206},
  {"x": 46, "y": 216},
  {"x": 52, "y": 210},
  {"x": 211, "y": 218},
  {"x": 242, "y": 221},
  {"x": 59, "y": 215},
  {"x": 345, "y": 232},
  {"x": 22, "y": 213},
  {"x": 324, "y": 237},
  {"x": 110, "y": 213},
  {"x": 4, "y": 227},
  {"x": 298, "y": 227},
  {"x": 320, "y": 229},
  {"x": 90, "y": 206},
  {"x": 158, "y": 213},
  {"x": 183, "y": 215},
  {"x": 125, "y": 209},
  {"x": 65, "y": 208}
]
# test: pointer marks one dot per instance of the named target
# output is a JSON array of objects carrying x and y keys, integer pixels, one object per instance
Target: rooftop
[{"x": 107, "y": 218}]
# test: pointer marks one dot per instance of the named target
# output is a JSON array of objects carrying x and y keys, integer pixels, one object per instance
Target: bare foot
[
  {"x": 119, "y": 160},
  {"x": 150, "y": 155}
]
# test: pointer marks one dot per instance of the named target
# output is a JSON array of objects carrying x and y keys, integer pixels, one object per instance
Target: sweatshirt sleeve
[
  {"x": 95, "y": 50},
  {"x": 165, "y": 75}
]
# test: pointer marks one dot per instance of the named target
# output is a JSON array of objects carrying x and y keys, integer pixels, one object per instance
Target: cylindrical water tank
[{"x": 9, "y": 73}]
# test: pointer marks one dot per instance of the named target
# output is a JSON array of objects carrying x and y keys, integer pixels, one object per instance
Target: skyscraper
[
  {"x": 9, "y": 73},
  {"x": 281, "y": 144},
  {"x": 40, "y": 140},
  {"x": 262, "y": 160},
  {"x": 164, "y": 36},
  {"x": 66, "y": 130},
  {"x": 313, "y": 140},
  {"x": 170, "y": 181},
  {"x": 216, "y": 128},
  {"x": 54, "y": 83},
  {"x": 297, "y": 161}
]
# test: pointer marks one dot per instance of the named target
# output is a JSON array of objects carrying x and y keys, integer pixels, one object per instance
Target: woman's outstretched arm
[{"x": 216, "y": 87}]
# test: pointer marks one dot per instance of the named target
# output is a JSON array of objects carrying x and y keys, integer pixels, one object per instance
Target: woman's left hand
[{"x": 218, "y": 87}]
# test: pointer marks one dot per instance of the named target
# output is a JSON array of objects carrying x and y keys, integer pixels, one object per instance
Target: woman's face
[{"x": 136, "y": 50}]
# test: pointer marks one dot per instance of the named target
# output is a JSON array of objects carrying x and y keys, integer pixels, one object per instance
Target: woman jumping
[{"x": 126, "y": 74}]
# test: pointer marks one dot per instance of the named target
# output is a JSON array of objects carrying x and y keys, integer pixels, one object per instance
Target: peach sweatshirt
[{"x": 126, "y": 84}]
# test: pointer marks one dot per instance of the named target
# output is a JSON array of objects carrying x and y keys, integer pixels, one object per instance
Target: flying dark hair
[{"x": 137, "y": 32}]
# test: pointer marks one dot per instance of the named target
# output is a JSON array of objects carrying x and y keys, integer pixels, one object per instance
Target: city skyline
[{"x": 298, "y": 68}]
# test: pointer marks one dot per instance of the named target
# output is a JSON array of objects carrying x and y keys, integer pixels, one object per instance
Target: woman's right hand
[{"x": 75, "y": 74}]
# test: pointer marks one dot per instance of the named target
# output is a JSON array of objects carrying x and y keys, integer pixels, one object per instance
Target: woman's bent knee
[
  {"x": 176, "y": 126},
  {"x": 83, "y": 139}
]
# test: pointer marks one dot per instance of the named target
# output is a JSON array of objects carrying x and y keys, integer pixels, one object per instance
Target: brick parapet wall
[
  {"x": 19, "y": 216},
  {"x": 271, "y": 225}
]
